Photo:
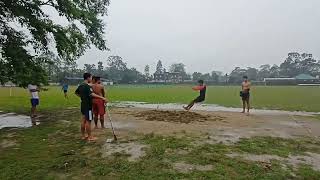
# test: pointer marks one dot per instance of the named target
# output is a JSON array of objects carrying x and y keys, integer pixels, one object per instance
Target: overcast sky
[{"x": 209, "y": 35}]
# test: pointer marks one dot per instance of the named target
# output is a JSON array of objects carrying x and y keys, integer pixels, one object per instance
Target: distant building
[
  {"x": 78, "y": 80},
  {"x": 172, "y": 77},
  {"x": 297, "y": 80}
]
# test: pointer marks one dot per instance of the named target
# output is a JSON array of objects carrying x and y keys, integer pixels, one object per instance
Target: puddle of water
[
  {"x": 14, "y": 120},
  {"x": 209, "y": 107}
]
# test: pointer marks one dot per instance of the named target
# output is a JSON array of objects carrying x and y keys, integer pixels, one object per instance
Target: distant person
[
  {"x": 84, "y": 91},
  {"x": 34, "y": 89},
  {"x": 98, "y": 105},
  {"x": 245, "y": 94},
  {"x": 202, "y": 88},
  {"x": 65, "y": 88}
]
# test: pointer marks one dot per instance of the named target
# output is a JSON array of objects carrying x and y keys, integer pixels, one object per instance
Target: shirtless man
[
  {"x": 245, "y": 94},
  {"x": 98, "y": 105},
  {"x": 85, "y": 92}
]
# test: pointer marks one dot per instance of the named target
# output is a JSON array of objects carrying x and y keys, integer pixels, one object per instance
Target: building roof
[{"x": 304, "y": 76}]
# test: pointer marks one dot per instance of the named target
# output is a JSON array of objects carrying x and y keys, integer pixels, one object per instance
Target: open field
[
  {"x": 197, "y": 145},
  {"x": 166, "y": 144},
  {"x": 291, "y": 98}
]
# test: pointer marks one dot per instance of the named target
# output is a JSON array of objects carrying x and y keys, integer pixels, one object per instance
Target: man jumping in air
[
  {"x": 245, "y": 94},
  {"x": 202, "y": 88},
  {"x": 84, "y": 91},
  {"x": 98, "y": 105}
]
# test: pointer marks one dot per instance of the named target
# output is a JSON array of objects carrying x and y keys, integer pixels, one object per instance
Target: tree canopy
[{"x": 28, "y": 35}]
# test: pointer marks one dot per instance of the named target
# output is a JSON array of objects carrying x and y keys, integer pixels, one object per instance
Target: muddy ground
[
  {"x": 212, "y": 128},
  {"x": 226, "y": 127}
]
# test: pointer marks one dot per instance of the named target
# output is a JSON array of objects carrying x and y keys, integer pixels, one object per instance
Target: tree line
[{"x": 116, "y": 69}]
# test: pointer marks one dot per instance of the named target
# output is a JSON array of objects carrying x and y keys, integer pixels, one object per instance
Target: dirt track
[{"x": 224, "y": 127}]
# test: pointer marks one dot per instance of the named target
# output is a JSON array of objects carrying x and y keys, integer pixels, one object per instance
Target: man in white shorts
[{"x": 34, "y": 89}]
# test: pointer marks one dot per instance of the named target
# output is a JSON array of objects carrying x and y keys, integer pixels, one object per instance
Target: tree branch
[{"x": 48, "y": 3}]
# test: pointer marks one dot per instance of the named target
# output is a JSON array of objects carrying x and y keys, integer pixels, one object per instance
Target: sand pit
[{"x": 176, "y": 116}]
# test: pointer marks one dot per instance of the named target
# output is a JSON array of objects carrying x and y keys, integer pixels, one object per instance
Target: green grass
[
  {"x": 292, "y": 98},
  {"x": 53, "y": 150}
]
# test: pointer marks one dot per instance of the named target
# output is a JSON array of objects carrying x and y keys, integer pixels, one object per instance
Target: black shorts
[
  {"x": 245, "y": 96},
  {"x": 87, "y": 113},
  {"x": 199, "y": 99},
  {"x": 65, "y": 91}
]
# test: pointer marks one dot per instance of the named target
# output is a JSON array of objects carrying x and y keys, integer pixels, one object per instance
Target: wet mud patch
[
  {"x": 133, "y": 150},
  {"x": 311, "y": 159},
  {"x": 8, "y": 143},
  {"x": 176, "y": 116},
  {"x": 183, "y": 167}
]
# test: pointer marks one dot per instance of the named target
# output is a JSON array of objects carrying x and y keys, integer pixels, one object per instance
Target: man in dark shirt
[
  {"x": 84, "y": 91},
  {"x": 202, "y": 88}
]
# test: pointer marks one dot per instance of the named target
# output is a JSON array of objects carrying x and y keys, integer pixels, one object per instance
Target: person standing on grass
[
  {"x": 84, "y": 91},
  {"x": 65, "y": 88},
  {"x": 34, "y": 89},
  {"x": 245, "y": 94},
  {"x": 98, "y": 105},
  {"x": 202, "y": 88}
]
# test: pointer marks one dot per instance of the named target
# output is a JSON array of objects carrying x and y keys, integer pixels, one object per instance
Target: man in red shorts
[{"x": 98, "y": 105}]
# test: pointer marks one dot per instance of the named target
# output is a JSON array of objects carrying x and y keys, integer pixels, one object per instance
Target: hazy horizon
[{"x": 209, "y": 35}]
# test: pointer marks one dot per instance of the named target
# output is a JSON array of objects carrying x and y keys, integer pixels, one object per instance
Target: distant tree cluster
[
  {"x": 116, "y": 69},
  {"x": 293, "y": 65}
]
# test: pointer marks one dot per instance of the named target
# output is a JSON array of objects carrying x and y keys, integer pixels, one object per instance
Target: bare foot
[
  {"x": 96, "y": 127},
  {"x": 185, "y": 108},
  {"x": 92, "y": 138},
  {"x": 242, "y": 111},
  {"x": 102, "y": 127},
  {"x": 84, "y": 137}
]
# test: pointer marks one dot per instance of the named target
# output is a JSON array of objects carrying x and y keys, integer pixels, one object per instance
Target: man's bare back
[{"x": 98, "y": 89}]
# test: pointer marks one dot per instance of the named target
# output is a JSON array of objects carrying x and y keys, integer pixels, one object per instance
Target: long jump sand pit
[
  {"x": 176, "y": 116},
  {"x": 225, "y": 127}
]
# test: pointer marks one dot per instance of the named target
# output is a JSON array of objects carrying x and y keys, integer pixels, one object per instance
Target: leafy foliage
[{"x": 36, "y": 30}]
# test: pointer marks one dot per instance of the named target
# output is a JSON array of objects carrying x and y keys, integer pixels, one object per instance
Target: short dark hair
[
  {"x": 200, "y": 81},
  {"x": 86, "y": 76},
  {"x": 245, "y": 77},
  {"x": 96, "y": 78}
]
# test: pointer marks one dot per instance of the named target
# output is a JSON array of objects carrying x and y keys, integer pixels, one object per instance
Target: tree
[
  {"x": 180, "y": 68},
  {"x": 196, "y": 76},
  {"x": 25, "y": 24},
  {"x": 214, "y": 76},
  {"x": 147, "y": 71},
  {"x": 205, "y": 77},
  {"x": 264, "y": 72},
  {"x": 252, "y": 73},
  {"x": 117, "y": 63},
  {"x": 90, "y": 68},
  {"x": 274, "y": 71},
  {"x": 236, "y": 75},
  {"x": 159, "y": 68},
  {"x": 116, "y": 68}
]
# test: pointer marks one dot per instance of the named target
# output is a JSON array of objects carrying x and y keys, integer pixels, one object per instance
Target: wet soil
[{"x": 176, "y": 116}]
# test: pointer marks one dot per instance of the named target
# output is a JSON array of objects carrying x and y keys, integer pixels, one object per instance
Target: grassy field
[
  {"x": 53, "y": 150},
  {"x": 291, "y": 98}
]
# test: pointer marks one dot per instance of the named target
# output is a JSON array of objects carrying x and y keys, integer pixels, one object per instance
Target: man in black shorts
[
  {"x": 202, "y": 88},
  {"x": 245, "y": 94},
  {"x": 84, "y": 91}
]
